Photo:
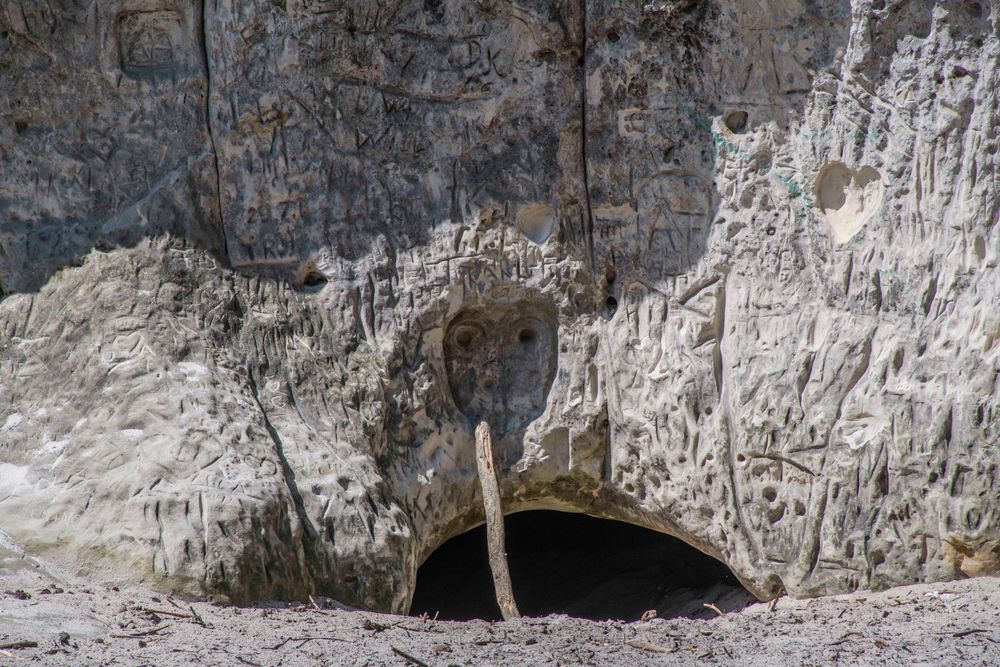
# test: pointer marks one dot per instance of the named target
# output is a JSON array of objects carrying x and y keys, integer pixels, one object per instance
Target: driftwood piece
[{"x": 494, "y": 522}]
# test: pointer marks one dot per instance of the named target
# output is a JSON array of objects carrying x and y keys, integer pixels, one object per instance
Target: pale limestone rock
[{"x": 727, "y": 270}]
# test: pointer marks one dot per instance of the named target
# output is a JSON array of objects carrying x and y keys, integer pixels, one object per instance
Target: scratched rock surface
[{"x": 727, "y": 270}]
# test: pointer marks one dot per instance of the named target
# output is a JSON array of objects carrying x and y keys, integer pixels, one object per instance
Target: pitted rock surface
[{"x": 724, "y": 269}]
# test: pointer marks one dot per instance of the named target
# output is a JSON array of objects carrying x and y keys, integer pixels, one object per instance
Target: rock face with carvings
[{"x": 727, "y": 270}]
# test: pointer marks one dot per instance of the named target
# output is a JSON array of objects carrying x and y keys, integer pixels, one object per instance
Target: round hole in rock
[
  {"x": 736, "y": 121},
  {"x": 526, "y": 336},
  {"x": 563, "y": 563},
  {"x": 314, "y": 279},
  {"x": 463, "y": 337}
]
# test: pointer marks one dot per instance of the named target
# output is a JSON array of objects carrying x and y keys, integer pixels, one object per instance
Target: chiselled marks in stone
[
  {"x": 769, "y": 67},
  {"x": 674, "y": 211},
  {"x": 155, "y": 45},
  {"x": 125, "y": 348},
  {"x": 357, "y": 15},
  {"x": 664, "y": 231},
  {"x": 660, "y": 124},
  {"x": 776, "y": 59},
  {"x": 648, "y": 124},
  {"x": 632, "y": 123},
  {"x": 353, "y": 118},
  {"x": 501, "y": 362},
  {"x": 488, "y": 248},
  {"x": 414, "y": 65},
  {"x": 828, "y": 10}
]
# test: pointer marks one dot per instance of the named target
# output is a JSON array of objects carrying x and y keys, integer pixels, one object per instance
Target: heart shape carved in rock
[{"x": 848, "y": 198}]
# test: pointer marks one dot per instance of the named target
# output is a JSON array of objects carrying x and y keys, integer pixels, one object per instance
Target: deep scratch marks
[{"x": 812, "y": 543}]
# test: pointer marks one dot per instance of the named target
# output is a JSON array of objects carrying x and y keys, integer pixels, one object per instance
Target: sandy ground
[{"x": 51, "y": 620}]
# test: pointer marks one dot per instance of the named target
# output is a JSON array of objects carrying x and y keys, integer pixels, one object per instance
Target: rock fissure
[
  {"x": 209, "y": 92},
  {"x": 288, "y": 474}
]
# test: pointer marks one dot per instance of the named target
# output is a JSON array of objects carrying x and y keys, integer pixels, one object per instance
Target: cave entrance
[{"x": 563, "y": 563}]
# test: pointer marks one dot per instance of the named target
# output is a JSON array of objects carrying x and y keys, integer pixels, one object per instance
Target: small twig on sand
[
  {"x": 375, "y": 626},
  {"x": 844, "y": 637},
  {"x": 406, "y": 656},
  {"x": 649, "y": 646},
  {"x": 410, "y": 628},
  {"x": 17, "y": 645},
  {"x": 143, "y": 633},
  {"x": 7, "y": 654},
  {"x": 303, "y": 640},
  {"x": 165, "y": 612},
  {"x": 711, "y": 606},
  {"x": 197, "y": 618},
  {"x": 966, "y": 633}
]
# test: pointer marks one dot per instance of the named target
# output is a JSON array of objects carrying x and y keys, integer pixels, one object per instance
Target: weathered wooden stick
[{"x": 494, "y": 522}]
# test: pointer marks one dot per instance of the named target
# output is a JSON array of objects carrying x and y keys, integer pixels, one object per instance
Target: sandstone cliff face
[{"x": 725, "y": 269}]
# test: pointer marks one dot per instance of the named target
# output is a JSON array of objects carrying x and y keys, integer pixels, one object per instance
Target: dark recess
[{"x": 576, "y": 565}]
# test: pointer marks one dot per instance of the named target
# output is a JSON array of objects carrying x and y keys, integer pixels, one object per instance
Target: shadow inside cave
[{"x": 564, "y": 563}]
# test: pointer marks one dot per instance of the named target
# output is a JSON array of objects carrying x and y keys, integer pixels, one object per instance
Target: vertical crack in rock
[
  {"x": 309, "y": 532},
  {"x": 211, "y": 132},
  {"x": 720, "y": 332},
  {"x": 583, "y": 132}
]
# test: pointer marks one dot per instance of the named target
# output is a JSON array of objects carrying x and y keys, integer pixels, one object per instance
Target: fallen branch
[
  {"x": 406, "y": 656},
  {"x": 494, "y": 523},
  {"x": 18, "y": 645},
  {"x": 966, "y": 633},
  {"x": 144, "y": 633}
]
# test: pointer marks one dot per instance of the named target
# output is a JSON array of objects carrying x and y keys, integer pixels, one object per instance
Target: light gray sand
[{"x": 68, "y": 622}]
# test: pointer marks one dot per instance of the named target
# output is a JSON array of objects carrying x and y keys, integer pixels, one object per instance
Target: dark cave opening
[{"x": 564, "y": 563}]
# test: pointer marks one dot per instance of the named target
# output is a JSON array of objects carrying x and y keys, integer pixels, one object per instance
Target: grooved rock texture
[{"x": 723, "y": 268}]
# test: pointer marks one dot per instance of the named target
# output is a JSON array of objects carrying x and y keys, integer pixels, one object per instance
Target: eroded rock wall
[{"x": 723, "y": 269}]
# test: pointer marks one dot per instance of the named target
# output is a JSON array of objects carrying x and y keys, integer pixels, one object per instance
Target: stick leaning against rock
[{"x": 495, "y": 539}]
